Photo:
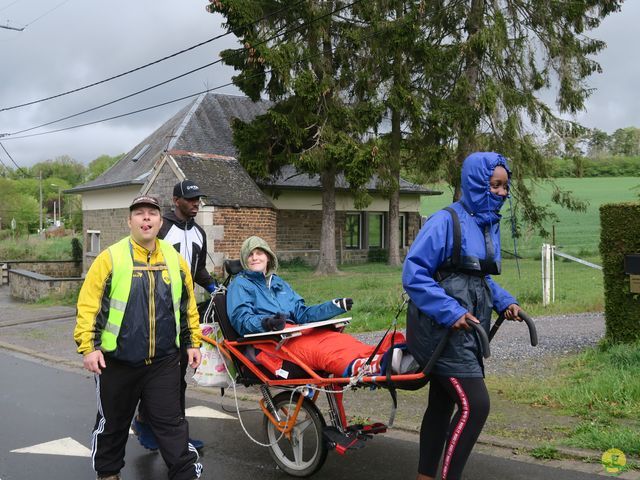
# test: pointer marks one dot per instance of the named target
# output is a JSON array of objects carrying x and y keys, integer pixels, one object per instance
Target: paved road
[{"x": 39, "y": 403}]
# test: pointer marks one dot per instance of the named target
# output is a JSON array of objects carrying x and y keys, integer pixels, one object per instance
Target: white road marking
[
  {"x": 206, "y": 412},
  {"x": 64, "y": 446}
]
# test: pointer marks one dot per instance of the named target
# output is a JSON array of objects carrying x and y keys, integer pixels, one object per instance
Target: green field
[
  {"x": 576, "y": 233},
  {"x": 376, "y": 289}
]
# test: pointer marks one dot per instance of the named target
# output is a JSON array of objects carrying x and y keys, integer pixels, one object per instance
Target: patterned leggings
[{"x": 460, "y": 432}]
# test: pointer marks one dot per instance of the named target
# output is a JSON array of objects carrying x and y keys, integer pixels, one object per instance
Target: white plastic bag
[{"x": 212, "y": 371}]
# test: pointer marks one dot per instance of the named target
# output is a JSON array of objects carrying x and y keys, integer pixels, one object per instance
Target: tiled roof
[
  {"x": 203, "y": 126},
  {"x": 290, "y": 178},
  {"x": 201, "y": 138},
  {"x": 222, "y": 179}
]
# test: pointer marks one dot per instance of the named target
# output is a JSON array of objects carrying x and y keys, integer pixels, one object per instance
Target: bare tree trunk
[
  {"x": 327, "y": 258},
  {"x": 394, "y": 198}
]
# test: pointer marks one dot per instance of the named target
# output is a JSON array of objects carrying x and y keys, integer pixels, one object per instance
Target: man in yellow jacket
[{"x": 136, "y": 307}]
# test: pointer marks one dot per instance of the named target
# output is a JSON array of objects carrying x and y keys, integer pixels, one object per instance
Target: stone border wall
[
  {"x": 31, "y": 286},
  {"x": 52, "y": 268}
]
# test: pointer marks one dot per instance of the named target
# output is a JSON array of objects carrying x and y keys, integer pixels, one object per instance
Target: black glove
[
  {"x": 277, "y": 322},
  {"x": 343, "y": 303}
]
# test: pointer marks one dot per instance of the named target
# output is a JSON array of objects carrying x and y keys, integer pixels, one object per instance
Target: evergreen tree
[
  {"x": 299, "y": 56},
  {"x": 398, "y": 72},
  {"x": 504, "y": 54}
]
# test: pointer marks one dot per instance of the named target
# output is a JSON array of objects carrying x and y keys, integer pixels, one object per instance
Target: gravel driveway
[{"x": 557, "y": 336}]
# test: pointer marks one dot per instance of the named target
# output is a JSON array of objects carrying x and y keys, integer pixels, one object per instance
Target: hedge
[{"x": 620, "y": 236}]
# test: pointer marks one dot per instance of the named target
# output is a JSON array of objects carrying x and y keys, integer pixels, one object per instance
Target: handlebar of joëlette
[
  {"x": 484, "y": 338},
  {"x": 533, "y": 333}
]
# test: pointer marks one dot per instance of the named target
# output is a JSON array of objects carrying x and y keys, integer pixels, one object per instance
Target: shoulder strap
[{"x": 457, "y": 237}]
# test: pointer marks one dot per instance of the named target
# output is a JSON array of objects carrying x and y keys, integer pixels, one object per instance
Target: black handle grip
[
  {"x": 533, "y": 332},
  {"x": 484, "y": 339},
  {"x": 496, "y": 326}
]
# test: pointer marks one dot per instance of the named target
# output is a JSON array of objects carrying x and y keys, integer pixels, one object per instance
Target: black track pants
[
  {"x": 119, "y": 388},
  {"x": 460, "y": 432}
]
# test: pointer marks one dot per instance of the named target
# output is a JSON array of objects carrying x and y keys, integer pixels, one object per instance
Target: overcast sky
[{"x": 84, "y": 41}]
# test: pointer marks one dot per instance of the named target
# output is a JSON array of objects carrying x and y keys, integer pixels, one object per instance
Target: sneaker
[
  {"x": 402, "y": 362},
  {"x": 145, "y": 435},
  {"x": 197, "y": 444},
  {"x": 409, "y": 364},
  {"x": 109, "y": 477}
]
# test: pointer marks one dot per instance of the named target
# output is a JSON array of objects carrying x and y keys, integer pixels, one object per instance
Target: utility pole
[{"x": 40, "y": 202}]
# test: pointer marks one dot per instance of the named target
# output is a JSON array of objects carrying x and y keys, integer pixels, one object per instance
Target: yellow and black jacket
[{"x": 150, "y": 327}]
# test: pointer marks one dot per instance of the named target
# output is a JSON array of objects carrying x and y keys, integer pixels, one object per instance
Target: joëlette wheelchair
[{"x": 298, "y": 436}]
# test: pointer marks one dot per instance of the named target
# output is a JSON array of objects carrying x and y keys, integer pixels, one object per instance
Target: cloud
[{"x": 84, "y": 41}]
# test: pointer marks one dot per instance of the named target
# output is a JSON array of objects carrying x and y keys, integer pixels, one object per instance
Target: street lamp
[{"x": 57, "y": 224}]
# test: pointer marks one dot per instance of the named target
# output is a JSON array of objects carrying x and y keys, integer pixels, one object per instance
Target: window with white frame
[
  {"x": 351, "y": 235},
  {"x": 376, "y": 230},
  {"x": 93, "y": 242}
]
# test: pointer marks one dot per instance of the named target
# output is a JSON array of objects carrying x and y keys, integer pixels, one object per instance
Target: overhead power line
[
  {"x": 133, "y": 70},
  {"x": 32, "y": 21},
  {"x": 7, "y": 6},
  {"x": 46, "y": 13},
  {"x": 72, "y": 127},
  {"x": 14, "y": 162},
  {"x": 281, "y": 34}
]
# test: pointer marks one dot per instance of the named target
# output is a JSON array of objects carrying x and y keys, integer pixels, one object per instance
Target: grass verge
[
  {"x": 32, "y": 247},
  {"x": 377, "y": 288},
  {"x": 600, "y": 386}
]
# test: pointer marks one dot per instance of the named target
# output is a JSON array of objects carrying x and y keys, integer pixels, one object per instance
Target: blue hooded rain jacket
[
  {"x": 253, "y": 296},
  {"x": 438, "y": 304}
]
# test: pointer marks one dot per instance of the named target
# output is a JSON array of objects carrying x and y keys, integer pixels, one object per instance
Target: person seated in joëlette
[{"x": 258, "y": 301}]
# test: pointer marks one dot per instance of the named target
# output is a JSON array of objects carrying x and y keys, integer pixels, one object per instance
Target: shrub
[
  {"x": 620, "y": 224},
  {"x": 76, "y": 249},
  {"x": 378, "y": 255}
]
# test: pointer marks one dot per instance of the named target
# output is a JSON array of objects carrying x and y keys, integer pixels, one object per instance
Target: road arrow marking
[
  {"x": 206, "y": 412},
  {"x": 64, "y": 446}
]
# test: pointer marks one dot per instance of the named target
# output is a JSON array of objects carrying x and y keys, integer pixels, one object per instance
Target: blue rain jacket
[
  {"x": 440, "y": 304},
  {"x": 252, "y": 296}
]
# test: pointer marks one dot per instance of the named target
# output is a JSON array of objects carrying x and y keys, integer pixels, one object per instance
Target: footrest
[
  {"x": 341, "y": 442},
  {"x": 367, "y": 430}
]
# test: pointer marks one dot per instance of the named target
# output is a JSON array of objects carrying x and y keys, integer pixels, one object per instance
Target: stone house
[{"x": 196, "y": 144}]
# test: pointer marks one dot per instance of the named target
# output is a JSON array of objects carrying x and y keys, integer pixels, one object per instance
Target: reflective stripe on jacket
[{"x": 122, "y": 273}]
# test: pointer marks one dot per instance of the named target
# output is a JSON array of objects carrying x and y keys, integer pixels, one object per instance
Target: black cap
[
  {"x": 187, "y": 189},
  {"x": 145, "y": 200}
]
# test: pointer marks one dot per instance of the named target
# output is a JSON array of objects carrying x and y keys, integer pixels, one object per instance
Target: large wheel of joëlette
[{"x": 304, "y": 451}]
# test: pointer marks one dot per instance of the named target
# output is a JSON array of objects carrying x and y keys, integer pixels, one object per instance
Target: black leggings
[{"x": 460, "y": 433}]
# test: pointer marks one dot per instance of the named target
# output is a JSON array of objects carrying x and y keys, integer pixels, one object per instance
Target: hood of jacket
[
  {"x": 477, "y": 170},
  {"x": 251, "y": 244},
  {"x": 183, "y": 224}
]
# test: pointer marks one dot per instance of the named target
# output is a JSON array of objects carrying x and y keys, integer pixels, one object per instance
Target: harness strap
[{"x": 457, "y": 238}]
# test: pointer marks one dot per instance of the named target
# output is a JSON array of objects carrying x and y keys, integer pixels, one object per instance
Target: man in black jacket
[{"x": 180, "y": 229}]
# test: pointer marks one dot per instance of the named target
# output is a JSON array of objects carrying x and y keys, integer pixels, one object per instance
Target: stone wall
[
  {"x": 53, "y": 268},
  {"x": 240, "y": 223},
  {"x": 30, "y": 286},
  {"x": 112, "y": 225}
]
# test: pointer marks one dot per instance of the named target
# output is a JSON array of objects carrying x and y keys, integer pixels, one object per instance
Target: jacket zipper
[{"x": 152, "y": 311}]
